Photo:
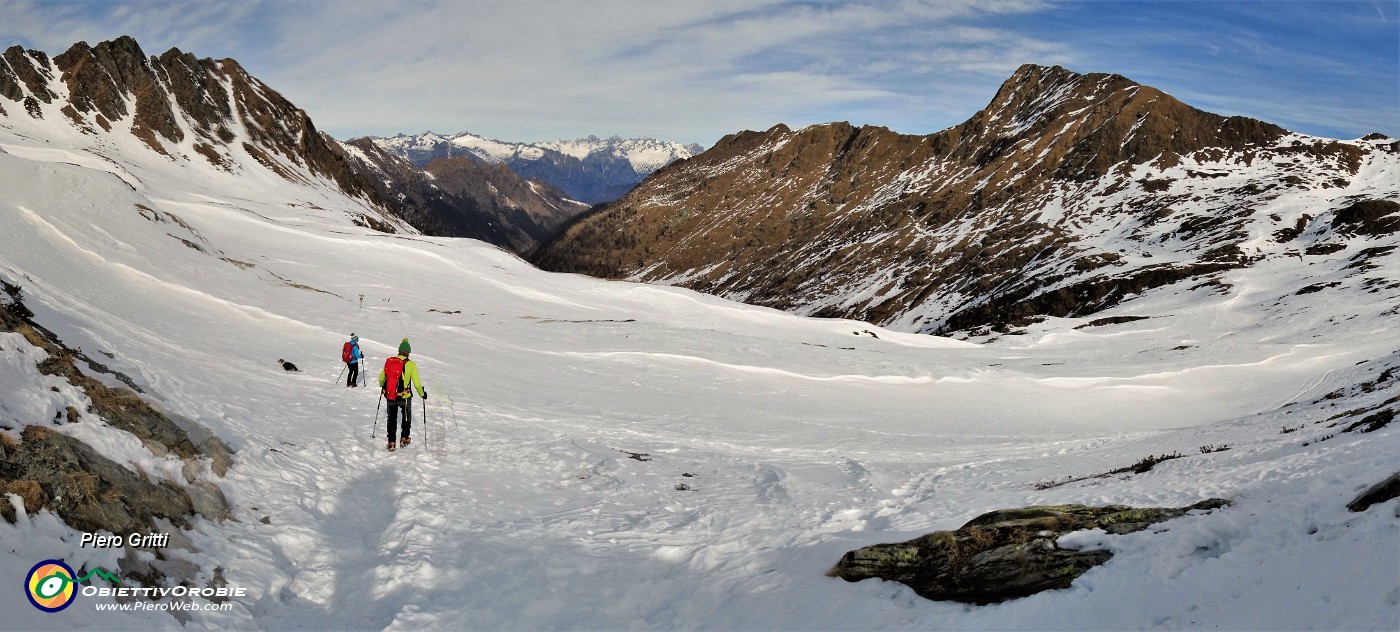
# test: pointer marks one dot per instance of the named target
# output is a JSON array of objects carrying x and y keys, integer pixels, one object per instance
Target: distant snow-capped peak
[
  {"x": 592, "y": 169},
  {"x": 644, "y": 154}
]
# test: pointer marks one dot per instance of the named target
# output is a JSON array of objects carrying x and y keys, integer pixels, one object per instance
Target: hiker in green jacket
[{"x": 396, "y": 383}]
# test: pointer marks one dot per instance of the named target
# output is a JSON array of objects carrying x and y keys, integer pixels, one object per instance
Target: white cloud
[
  {"x": 157, "y": 25},
  {"x": 694, "y": 71},
  {"x": 533, "y": 70}
]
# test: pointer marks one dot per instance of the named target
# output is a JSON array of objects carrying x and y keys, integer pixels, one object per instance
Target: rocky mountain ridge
[
  {"x": 176, "y": 104},
  {"x": 1065, "y": 195},
  {"x": 591, "y": 170},
  {"x": 213, "y": 112}
]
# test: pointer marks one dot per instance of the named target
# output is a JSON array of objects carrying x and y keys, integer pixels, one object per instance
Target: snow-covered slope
[
  {"x": 564, "y": 412},
  {"x": 212, "y": 116},
  {"x": 591, "y": 169}
]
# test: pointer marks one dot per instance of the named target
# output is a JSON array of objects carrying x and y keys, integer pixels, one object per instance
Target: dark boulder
[
  {"x": 1380, "y": 492},
  {"x": 1004, "y": 554}
]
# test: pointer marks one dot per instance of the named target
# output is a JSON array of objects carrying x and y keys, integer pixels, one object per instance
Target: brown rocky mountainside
[
  {"x": 532, "y": 209},
  {"x": 173, "y": 101},
  {"x": 213, "y": 112},
  {"x": 1065, "y": 194},
  {"x": 460, "y": 197}
]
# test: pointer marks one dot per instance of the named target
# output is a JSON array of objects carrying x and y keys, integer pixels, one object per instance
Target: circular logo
[{"x": 49, "y": 585}]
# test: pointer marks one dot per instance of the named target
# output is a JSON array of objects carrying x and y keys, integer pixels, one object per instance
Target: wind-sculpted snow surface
[{"x": 607, "y": 455}]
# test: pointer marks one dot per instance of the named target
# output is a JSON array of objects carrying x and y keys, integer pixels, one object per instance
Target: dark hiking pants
[
  {"x": 354, "y": 373},
  {"x": 400, "y": 407}
]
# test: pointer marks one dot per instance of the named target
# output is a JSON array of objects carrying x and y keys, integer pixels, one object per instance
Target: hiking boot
[
  {"x": 405, "y": 441},
  {"x": 391, "y": 446}
]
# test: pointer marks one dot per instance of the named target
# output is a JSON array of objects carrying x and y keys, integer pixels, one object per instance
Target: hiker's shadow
[{"x": 358, "y": 532}]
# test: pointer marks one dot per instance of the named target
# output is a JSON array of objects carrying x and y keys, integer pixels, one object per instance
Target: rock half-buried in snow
[{"x": 1004, "y": 554}]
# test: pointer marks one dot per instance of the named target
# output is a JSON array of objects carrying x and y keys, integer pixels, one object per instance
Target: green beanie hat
[{"x": 403, "y": 346}]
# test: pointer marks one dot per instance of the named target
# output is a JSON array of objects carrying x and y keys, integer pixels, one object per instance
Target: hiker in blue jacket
[{"x": 351, "y": 355}]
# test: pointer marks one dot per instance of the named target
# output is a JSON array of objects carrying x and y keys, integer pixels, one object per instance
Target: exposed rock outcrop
[
  {"x": 1369, "y": 217},
  {"x": 1003, "y": 554},
  {"x": 120, "y": 408},
  {"x": 25, "y": 74},
  {"x": 89, "y": 491},
  {"x": 50, "y": 470},
  {"x": 1388, "y": 489}
]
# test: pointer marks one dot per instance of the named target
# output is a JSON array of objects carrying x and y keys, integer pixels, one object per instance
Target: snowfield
[{"x": 541, "y": 491}]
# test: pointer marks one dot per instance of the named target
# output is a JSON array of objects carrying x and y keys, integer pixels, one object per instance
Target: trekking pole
[
  {"x": 342, "y": 373},
  {"x": 425, "y": 421},
  {"x": 376, "y": 418}
]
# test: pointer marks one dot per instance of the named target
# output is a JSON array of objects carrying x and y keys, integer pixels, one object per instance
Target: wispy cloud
[
  {"x": 54, "y": 26},
  {"x": 532, "y": 70}
]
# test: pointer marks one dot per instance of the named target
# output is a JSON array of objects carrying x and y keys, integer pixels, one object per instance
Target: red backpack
[
  {"x": 346, "y": 354},
  {"x": 393, "y": 378}
]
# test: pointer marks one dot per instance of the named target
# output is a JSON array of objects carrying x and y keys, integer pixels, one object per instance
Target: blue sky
[{"x": 533, "y": 70}]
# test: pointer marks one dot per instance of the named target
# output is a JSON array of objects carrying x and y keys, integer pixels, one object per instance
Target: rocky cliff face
[
  {"x": 590, "y": 170},
  {"x": 212, "y": 112},
  {"x": 1067, "y": 193}
]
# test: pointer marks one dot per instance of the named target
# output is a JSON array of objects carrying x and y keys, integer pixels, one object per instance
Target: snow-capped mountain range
[
  {"x": 591, "y": 170},
  {"x": 607, "y": 454},
  {"x": 1066, "y": 195}
]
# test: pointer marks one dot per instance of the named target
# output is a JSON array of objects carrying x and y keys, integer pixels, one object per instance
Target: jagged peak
[
  {"x": 1035, "y": 92},
  {"x": 1056, "y": 75},
  {"x": 175, "y": 55},
  {"x": 1081, "y": 124},
  {"x": 1039, "y": 72},
  {"x": 121, "y": 48},
  {"x": 25, "y": 72}
]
